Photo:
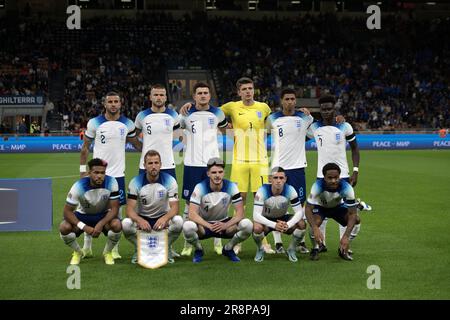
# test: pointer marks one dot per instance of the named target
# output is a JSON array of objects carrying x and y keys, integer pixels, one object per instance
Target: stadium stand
[{"x": 394, "y": 79}]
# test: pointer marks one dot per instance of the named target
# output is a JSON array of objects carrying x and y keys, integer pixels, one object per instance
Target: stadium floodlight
[
  {"x": 252, "y": 4},
  {"x": 210, "y": 4},
  {"x": 295, "y": 2},
  {"x": 431, "y": 3}
]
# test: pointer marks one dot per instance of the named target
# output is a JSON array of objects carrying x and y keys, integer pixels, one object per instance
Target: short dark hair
[
  {"x": 112, "y": 93},
  {"x": 96, "y": 162},
  {"x": 286, "y": 91},
  {"x": 152, "y": 153},
  {"x": 243, "y": 80},
  {"x": 215, "y": 162},
  {"x": 157, "y": 86},
  {"x": 327, "y": 99},
  {"x": 330, "y": 166},
  {"x": 277, "y": 169},
  {"x": 200, "y": 85}
]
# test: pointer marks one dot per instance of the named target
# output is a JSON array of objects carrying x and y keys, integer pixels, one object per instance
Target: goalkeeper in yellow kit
[{"x": 250, "y": 163}]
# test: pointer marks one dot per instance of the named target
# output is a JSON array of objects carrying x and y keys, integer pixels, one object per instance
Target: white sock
[
  {"x": 71, "y": 240},
  {"x": 277, "y": 237},
  {"x": 129, "y": 231},
  {"x": 217, "y": 242},
  {"x": 341, "y": 230},
  {"x": 175, "y": 227},
  {"x": 116, "y": 247},
  {"x": 237, "y": 238},
  {"x": 355, "y": 231},
  {"x": 245, "y": 227},
  {"x": 258, "y": 239},
  {"x": 297, "y": 237},
  {"x": 185, "y": 217},
  {"x": 190, "y": 234},
  {"x": 112, "y": 240},
  {"x": 323, "y": 229},
  {"x": 133, "y": 239},
  {"x": 194, "y": 241},
  {"x": 87, "y": 241}
]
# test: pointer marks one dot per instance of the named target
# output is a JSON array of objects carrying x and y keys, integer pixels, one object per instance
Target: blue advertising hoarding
[{"x": 365, "y": 142}]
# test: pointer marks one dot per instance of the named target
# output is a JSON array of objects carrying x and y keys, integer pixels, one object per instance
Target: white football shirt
[
  {"x": 344, "y": 194},
  {"x": 110, "y": 140},
  {"x": 153, "y": 198},
  {"x": 157, "y": 130},
  {"x": 331, "y": 143},
  {"x": 214, "y": 204},
  {"x": 268, "y": 206},
  {"x": 288, "y": 139},
  {"x": 93, "y": 200},
  {"x": 200, "y": 129}
]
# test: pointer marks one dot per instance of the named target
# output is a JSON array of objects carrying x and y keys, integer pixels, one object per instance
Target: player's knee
[
  {"x": 65, "y": 228},
  {"x": 358, "y": 220},
  {"x": 127, "y": 226},
  {"x": 258, "y": 228},
  {"x": 189, "y": 228},
  {"x": 176, "y": 224},
  {"x": 115, "y": 225},
  {"x": 301, "y": 225},
  {"x": 246, "y": 226}
]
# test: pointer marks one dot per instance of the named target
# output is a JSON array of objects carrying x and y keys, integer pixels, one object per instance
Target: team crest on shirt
[
  {"x": 338, "y": 137},
  {"x": 224, "y": 202},
  {"x": 160, "y": 194},
  {"x": 298, "y": 123},
  {"x": 105, "y": 197},
  {"x": 152, "y": 242},
  {"x": 167, "y": 122},
  {"x": 259, "y": 114},
  {"x": 122, "y": 132},
  {"x": 211, "y": 121}
]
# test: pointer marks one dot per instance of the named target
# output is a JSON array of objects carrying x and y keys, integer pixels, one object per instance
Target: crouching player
[
  {"x": 332, "y": 197},
  {"x": 92, "y": 206},
  {"x": 270, "y": 213},
  {"x": 208, "y": 213},
  {"x": 152, "y": 204}
]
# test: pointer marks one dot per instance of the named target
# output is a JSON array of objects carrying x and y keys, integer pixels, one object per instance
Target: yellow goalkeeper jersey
[{"x": 248, "y": 125}]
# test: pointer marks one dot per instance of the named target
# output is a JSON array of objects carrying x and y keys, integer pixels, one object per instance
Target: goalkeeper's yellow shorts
[{"x": 255, "y": 174}]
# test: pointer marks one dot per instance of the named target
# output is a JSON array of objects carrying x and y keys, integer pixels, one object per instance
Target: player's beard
[
  {"x": 114, "y": 112},
  {"x": 158, "y": 104},
  {"x": 97, "y": 182}
]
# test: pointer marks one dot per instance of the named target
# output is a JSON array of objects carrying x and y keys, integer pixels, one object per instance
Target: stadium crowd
[{"x": 392, "y": 79}]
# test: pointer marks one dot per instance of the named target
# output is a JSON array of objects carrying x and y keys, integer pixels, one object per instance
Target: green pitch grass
[{"x": 406, "y": 235}]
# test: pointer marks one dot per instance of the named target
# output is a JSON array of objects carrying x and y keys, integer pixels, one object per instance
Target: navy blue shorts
[
  {"x": 337, "y": 213},
  {"x": 122, "y": 190},
  {"x": 91, "y": 220},
  {"x": 172, "y": 172},
  {"x": 192, "y": 176},
  {"x": 296, "y": 178},
  {"x": 151, "y": 221},
  {"x": 210, "y": 234}
]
